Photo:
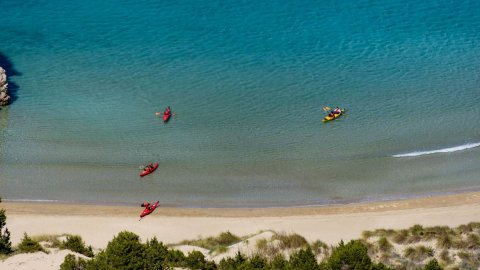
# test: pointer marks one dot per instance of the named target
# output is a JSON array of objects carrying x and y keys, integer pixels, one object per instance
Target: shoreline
[
  {"x": 87, "y": 209},
  {"x": 97, "y": 225}
]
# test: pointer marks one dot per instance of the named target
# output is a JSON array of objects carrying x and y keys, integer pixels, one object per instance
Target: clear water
[{"x": 248, "y": 82}]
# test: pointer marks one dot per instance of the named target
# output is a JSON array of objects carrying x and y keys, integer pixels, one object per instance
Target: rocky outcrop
[{"x": 4, "y": 97}]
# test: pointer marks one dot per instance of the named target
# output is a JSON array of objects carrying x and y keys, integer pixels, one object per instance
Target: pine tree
[{"x": 5, "y": 244}]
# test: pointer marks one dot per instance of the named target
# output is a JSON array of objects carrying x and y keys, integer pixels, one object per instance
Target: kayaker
[
  {"x": 337, "y": 111},
  {"x": 149, "y": 166}
]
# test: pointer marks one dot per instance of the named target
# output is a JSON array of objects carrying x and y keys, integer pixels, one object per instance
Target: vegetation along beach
[{"x": 258, "y": 134}]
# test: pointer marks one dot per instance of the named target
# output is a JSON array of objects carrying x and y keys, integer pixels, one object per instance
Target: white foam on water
[
  {"x": 443, "y": 150},
  {"x": 31, "y": 200}
]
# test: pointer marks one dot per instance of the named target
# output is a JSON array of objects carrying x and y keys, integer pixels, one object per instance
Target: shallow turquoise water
[{"x": 247, "y": 81}]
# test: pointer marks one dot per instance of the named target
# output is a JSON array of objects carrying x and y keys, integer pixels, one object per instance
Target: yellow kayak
[{"x": 335, "y": 116}]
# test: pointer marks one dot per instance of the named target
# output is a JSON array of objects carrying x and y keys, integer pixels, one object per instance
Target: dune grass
[
  {"x": 219, "y": 249},
  {"x": 266, "y": 248},
  {"x": 384, "y": 245},
  {"x": 457, "y": 248},
  {"x": 467, "y": 228},
  {"x": 400, "y": 236},
  {"x": 445, "y": 256},
  {"x": 216, "y": 243},
  {"x": 468, "y": 260},
  {"x": 455, "y": 244},
  {"x": 290, "y": 241},
  {"x": 418, "y": 253},
  {"x": 51, "y": 240},
  {"x": 473, "y": 241}
]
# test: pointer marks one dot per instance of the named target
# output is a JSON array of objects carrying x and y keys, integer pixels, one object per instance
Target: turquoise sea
[{"x": 247, "y": 80}]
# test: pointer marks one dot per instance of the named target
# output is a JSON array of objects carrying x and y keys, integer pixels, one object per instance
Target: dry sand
[
  {"x": 98, "y": 224},
  {"x": 37, "y": 261}
]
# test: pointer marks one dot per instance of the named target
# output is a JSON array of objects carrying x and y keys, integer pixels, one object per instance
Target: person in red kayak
[
  {"x": 149, "y": 208},
  {"x": 166, "y": 112},
  {"x": 148, "y": 167}
]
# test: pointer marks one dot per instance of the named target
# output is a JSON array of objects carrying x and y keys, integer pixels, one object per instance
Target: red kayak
[
  {"x": 149, "y": 209},
  {"x": 166, "y": 117},
  {"x": 167, "y": 114},
  {"x": 149, "y": 170}
]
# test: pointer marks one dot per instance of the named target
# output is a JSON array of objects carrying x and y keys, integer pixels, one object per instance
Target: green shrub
[
  {"x": 5, "y": 244},
  {"x": 278, "y": 262},
  {"x": 353, "y": 255},
  {"x": 432, "y": 265},
  {"x": 257, "y": 262},
  {"x": 125, "y": 251},
  {"x": 100, "y": 262},
  {"x": 380, "y": 266},
  {"x": 72, "y": 263},
  {"x": 175, "y": 258},
  {"x": 76, "y": 244},
  {"x": 28, "y": 245},
  {"x": 195, "y": 260},
  {"x": 303, "y": 259},
  {"x": 232, "y": 263},
  {"x": 155, "y": 254}
]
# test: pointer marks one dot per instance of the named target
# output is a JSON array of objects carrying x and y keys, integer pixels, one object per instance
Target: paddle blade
[{"x": 326, "y": 108}]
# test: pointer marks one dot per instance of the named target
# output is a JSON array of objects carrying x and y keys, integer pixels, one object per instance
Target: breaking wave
[{"x": 444, "y": 150}]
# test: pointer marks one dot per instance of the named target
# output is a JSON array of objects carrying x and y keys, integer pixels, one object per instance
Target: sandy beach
[{"x": 98, "y": 224}]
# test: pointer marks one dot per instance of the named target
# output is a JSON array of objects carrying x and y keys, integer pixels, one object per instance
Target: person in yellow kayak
[{"x": 335, "y": 111}]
